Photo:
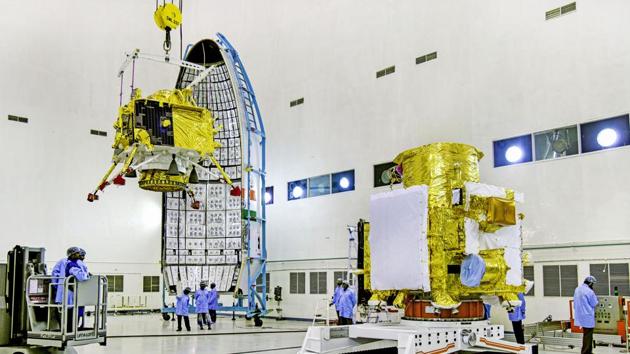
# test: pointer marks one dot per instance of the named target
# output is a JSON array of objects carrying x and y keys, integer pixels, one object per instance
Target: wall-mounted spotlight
[
  {"x": 514, "y": 154},
  {"x": 513, "y": 150},
  {"x": 269, "y": 195},
  {"x": 607, "y": 137},
  {"x": 297, "y": 189}
]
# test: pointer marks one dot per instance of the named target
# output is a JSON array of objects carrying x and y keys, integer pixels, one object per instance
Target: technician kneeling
[{"x": 584, "y": 302}]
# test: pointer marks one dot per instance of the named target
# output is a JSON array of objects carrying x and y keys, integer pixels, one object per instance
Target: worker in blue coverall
[
  {"x": 213, "y": 303},
  {"x": 201, "y": 305},
  {"x": 72, "y": 269},
  {"x": 336, "y": 294},
  {"x": 584, "y": 303},
  {"x": 487, "y": 308},
  {"x": 181, "y": 309},
  {"x": 347, "y": 301},
  {"x": 59, "y": 271},
  {"x": 83, "y": 266},
  {"x": 517, "y": 315}
]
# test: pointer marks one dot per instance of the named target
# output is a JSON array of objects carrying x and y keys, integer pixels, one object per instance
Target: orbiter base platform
[{"x": 412, "y": 337}]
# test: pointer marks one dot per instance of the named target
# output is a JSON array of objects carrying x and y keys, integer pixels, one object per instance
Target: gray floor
[{"x": 151, "y": 334}]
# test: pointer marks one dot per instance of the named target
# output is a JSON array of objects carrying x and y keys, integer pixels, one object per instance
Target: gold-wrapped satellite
[
  {"x": 445, "y": 241},
  {"x": 166, "y": 138}
]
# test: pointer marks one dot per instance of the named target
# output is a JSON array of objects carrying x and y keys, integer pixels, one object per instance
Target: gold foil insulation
[
  {"x": 192, "y": 126},
  {"x": 159, "y": 181},
  {"x": 501, "y": 211},
  {"x": 445, "y": 167},
  {"x": 442, "y": 167}
]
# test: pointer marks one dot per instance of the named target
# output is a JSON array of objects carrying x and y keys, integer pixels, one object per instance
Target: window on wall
[
  {"x": 297, "y": 189},
  {"x": 559, "y": 280},
  {"x": 605, "y": 134},
  {"x": 568, "y": 279},
  {"x": 269, "y": 195},
  {"x": 344, "y": 276},
  {"x": 317, "y": 282},
  {"x": 600, "y": 272},
  {"x": 383, "y": 174},
  {"x": 556, "y": 143},
  {"x": 619, "y": 278},
  {"x": 319, "y": 185},
  {"x": 151, "y": 284},
  {"x": 528, "y": 273},
  {"x": 259, "y": 283},
  {"x": 294, "y": 103},
  {"x": 115, "y": 283},
  {"x": 386, "y": 71},
  {"x": 611, "y": 278},
  {"x": 297, "y": 283}
]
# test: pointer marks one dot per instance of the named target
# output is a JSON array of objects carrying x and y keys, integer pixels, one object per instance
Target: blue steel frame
[{"x": 255, "y": 129}]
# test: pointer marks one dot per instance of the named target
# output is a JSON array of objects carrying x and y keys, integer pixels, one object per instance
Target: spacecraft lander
[{"x": 201, "y": 144}]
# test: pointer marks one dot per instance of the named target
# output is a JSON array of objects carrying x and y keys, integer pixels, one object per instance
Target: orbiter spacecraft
[{"x": 445, "y": 243}]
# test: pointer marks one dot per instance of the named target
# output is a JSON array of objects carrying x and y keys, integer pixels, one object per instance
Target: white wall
[{"x": 501, "y": 71}]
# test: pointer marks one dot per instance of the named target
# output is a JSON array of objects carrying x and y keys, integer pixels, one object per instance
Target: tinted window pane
[
  {"x": 556, "y": 143},
  {"x": 605, "y": 133},
  {"x": 297, "y": 189},
  {"x": 619, "y": 278},
  {"x": 528, "y": 273},
  {"x": 513, "y": 150},
  {"x": 343, "y": 181},
  {"x": 319, "y": 185},
  {"x": 568, "y": 279},
  {"x": 551, "y": 280},
  {"x": 600, "y": 272}
]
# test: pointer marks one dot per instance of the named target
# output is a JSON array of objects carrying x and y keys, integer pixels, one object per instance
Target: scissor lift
[
  {"x": 31, "y": 321},
  {"x": 49, "y": 320}
]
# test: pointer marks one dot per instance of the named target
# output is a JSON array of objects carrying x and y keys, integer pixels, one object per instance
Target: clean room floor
[{"x": 150, "y": 334}]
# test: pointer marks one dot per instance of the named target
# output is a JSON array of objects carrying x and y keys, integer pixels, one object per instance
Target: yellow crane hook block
[{"x": 167, "y": 17}]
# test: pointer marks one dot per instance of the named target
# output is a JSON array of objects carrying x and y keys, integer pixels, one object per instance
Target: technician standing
[
  {"x": 59, "y": 272},
  {"x": 213, "y": 303},
  {"x": 517, "y": 315},
  {"x": 83, "y": 266},
  {"x": 584, "y": 302},
  {"x": 347, "y": 301},
  {"x": 181, "y": 310},
  {"x": 201, "y": 305},
  {"x": 73, "y": 269},
  {"x": 336, "y": 294}
]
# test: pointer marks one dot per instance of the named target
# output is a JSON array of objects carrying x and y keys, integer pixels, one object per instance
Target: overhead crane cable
[
  {"x": 181, "y": 33},
  {"x": 133, "y": 75},
  {"x": 121, "y": 89}
]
